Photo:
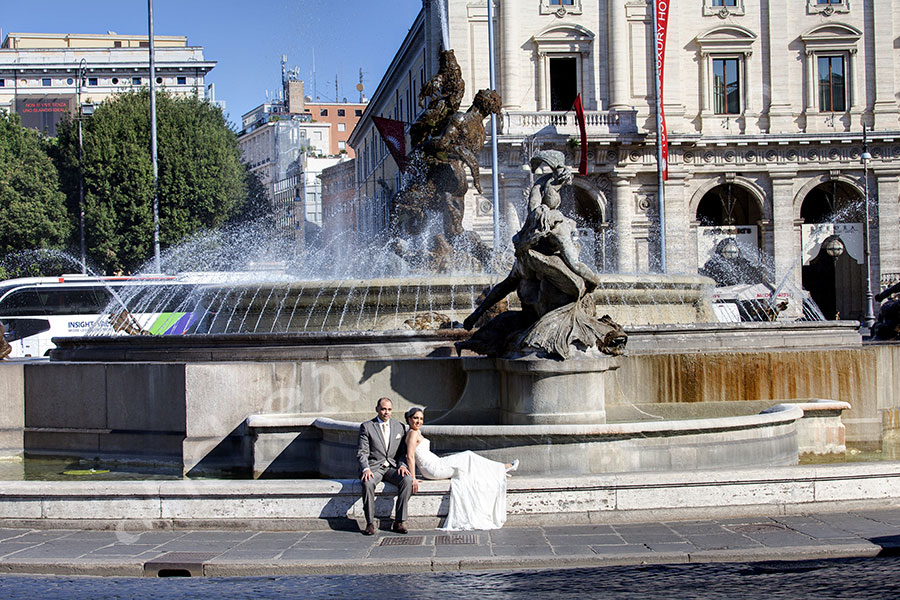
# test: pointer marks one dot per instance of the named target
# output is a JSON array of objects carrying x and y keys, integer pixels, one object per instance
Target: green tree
[
  {"x": 32, "y": 208},
  {"x": 257, "y": 207},
  {"x": 202, "y": 182}
]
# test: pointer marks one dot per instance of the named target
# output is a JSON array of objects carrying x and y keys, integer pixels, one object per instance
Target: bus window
[
  {"x": 21, "y": 303},
  {"x": 79, "y": 301}
]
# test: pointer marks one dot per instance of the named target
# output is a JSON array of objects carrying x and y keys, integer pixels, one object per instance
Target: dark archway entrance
[
  {"x": 728, "y": 217},
  {"x": 583, "y": 206},
  {"x": 833, "y": 261}
]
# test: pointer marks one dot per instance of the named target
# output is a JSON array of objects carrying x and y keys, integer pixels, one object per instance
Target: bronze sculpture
[
  {"x": 445, "y": 142},
  {"x": 5, "y": 348},
  {"x": 553, "y": 285}
]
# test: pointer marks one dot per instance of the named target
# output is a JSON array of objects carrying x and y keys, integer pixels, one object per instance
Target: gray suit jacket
[{"x": 371, "y": 451}]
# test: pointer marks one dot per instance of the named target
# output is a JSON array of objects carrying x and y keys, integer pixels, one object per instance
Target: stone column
[
  {"x": 812, "y": 86},
  {"x": 780, "y": 109},
  {"x": 751, "y": 94},
  {"x": 618, "y": 56},
  {"x": 509, "y": 53},
  {"x": 543, "y": 74},
  {"x": 783, "y": 223},
  {"x": 886, "y": 239},
  {"x": 624, "y": 207},
  {"x": 677, "y": 217},
  {"x": 885, "y": 108}
]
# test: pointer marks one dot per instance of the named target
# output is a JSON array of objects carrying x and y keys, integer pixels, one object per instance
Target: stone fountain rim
[{"x": 777, "y": 415}]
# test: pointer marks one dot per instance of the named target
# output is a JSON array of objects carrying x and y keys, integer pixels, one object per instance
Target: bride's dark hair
[{"x": 413, "y": 411}]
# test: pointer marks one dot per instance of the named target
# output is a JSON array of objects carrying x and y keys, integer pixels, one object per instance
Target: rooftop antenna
[
  {"x": 359, "y": 86},
  {"x": 315, "y": 83},
  {"x": 337, "y": 97}
]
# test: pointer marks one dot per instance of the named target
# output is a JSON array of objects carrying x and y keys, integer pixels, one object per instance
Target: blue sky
[{"x": 248, "y": 37}]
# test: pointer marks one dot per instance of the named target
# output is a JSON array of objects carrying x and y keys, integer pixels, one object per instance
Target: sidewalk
[{"x": 254, "y": 553}]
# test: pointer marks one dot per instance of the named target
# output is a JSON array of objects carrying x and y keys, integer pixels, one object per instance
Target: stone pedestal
[{"x": 539, "y": 391}]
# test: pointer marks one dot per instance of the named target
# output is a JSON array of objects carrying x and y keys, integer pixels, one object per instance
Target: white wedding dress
[{"x": 477, "y": 487}]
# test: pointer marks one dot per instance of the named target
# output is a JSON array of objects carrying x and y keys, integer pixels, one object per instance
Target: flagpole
[
  {"x": 495, "y": 182},
  {"x": 659, "y": 148}
]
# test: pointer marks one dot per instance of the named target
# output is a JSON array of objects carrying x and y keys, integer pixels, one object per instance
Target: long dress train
[{"x": 477, "y": 487}]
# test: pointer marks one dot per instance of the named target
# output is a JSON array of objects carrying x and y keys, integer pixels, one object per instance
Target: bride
[{"x": 477, "y": 485}]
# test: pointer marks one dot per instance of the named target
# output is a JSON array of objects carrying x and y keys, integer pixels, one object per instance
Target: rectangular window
[
  {"x": 342, "y": 112},
  {"x": 342, "y": 127},
  {"x": 724, "y": 2},
  {"x": 92, "y": 81},
  {"x": 562, "y": 2},
  {"x": 829, "y": 1},
  {"x": 181, "y": 80},
  {"x": 342, "y": 145},
  {"x": 135, "y": 81},
  {"x": 2, "y": 82},
  {"x": 357, "y": 112},
  {"x": 323, "y": 112},
  {"x": 726, "y": 86},
  {"x": 117, "y": 44},
  {"x": 832, "y": 84},
  {"x": 46, "y": 82}
]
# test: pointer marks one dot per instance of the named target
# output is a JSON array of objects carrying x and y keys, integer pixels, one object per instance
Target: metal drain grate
[
  {"x": 181, "y": 564},
  {"x": 758, "y": 527},
  {"x": 453, "y": 540},
  {"x": 414, "y": 540}
]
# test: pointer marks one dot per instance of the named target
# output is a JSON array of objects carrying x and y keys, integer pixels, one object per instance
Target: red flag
[
  {"x": 579, "y": 118},
  {"x": 662, "y": 23},
  {"x": 394, "y": 138}
]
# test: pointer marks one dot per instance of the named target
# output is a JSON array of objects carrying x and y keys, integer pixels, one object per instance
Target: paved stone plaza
[{"x": 252, "y": 553}]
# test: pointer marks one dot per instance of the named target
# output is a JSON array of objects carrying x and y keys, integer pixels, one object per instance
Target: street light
[
  {"x": 79, "y": 82},
  {"x": 869, "y": 318}
]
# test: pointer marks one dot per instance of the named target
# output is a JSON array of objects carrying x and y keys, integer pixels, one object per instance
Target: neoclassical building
[{"x": 765, "y": 104}]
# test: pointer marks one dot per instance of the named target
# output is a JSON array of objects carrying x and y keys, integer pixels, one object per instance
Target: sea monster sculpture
[
  {"x": 553, "y": 286},
  {"x": 445, "y": 142}
]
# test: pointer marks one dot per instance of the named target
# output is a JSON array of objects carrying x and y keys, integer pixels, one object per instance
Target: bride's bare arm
[{"x": 412, "y": 440}]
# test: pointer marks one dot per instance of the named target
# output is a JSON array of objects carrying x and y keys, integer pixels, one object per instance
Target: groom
[{"x": 382, "y": 455}]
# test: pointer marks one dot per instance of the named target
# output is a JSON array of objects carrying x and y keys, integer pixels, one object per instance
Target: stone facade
[{"x": 765, "y": 103}]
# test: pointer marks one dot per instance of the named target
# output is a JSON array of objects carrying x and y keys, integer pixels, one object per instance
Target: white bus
[{"x": 34, "y": 310}]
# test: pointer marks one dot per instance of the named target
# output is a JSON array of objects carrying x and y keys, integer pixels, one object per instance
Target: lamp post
[
  {"x": 79, "y": 82},
  {"x": 869, "y": 318},
  {"x": 153, "y": 155}
]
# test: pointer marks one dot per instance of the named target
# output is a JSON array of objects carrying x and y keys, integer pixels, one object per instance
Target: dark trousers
[{"x": 391, "y": 475}]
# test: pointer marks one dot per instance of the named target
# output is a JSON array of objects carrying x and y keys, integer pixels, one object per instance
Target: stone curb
[{"x": 225, "y": 568}]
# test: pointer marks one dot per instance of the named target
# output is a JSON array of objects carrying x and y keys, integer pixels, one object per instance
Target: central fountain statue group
[{"x": 553, "y": 285}]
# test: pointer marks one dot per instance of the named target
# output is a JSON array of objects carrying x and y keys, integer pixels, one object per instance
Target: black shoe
[
  {"x": 399, "y": 527},
  {"x": 369, "y": 530}
]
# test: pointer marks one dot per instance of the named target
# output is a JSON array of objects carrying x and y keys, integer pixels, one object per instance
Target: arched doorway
[
  {"x": 587, "y": 206},
  {"x": 832, "y": 249},
  {"x": 728, "y": 237}
]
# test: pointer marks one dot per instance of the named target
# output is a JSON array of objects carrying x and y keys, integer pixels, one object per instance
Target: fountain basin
[{"x": 729, "y": 442}]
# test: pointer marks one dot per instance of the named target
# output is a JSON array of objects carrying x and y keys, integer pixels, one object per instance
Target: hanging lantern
[
  {"x": 834, "y": 246},
  {"x": 729, "y": 250}
]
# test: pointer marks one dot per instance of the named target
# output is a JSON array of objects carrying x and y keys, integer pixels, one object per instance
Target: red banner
[
  {"x": 662, "y": 23},
  {"x": 394, "y": 137},
  {"x": 579, "y": 118}
]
